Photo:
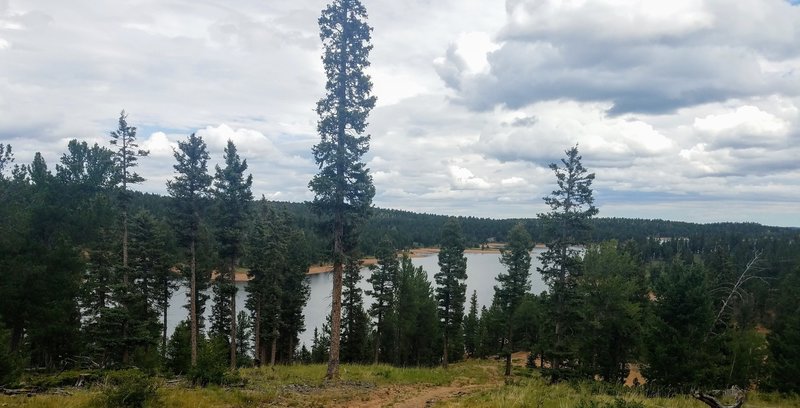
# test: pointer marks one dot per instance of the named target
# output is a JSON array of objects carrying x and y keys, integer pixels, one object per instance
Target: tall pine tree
[
  {"x": 567, "y": 223},
  {"x": 516, "y": 257},
  {"x": 451, "y": 289},
  {"x": 125, "y": 158},
  {"x": 232, "y": 190},
  {"x": 189, "y": 190},
  {"x": 343, "y": 187}
]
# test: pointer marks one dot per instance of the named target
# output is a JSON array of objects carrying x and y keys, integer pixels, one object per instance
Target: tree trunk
[
  {"x": 257, "y": 331},
  {"x": 274, "y": 350},
  {"x": 125, "y": 247},
  {"x": 193, "y": 304},
  {"x": 444, "y": 355},
  {"x": 377, "y": 341},
  {"x": 510, "y": 349},
  {"x": 336, "y": 319},
  {"x": 714, "y": 403},
  {"x": 290, "y": 356},
  {"x": 164, "y": 323},
  {"x": 233, "y": 314}
]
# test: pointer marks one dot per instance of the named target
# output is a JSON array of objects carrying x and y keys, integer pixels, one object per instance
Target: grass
[{"x": 303, "y": 386}]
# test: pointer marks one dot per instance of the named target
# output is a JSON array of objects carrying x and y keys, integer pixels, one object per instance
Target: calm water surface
[{"x": 481, "y": 272}]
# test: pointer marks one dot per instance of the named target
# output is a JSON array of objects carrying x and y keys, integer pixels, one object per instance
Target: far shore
[{"x": 492, "y": 248}]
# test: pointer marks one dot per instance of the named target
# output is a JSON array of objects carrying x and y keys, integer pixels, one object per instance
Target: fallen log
[{"x": 711, "y": 401}]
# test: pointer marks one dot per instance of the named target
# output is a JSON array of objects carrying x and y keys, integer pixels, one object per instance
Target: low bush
[{"x": 129, "y": 389}]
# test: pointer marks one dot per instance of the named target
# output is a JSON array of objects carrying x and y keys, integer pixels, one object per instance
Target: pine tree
[
  {"x": 418, "y": 324},
  {"x": 125, "y": 158},
  {"x": 784, "y": 340},
  {"x": 232, "y": 191},
  {"x": 613, "y": 297},
  {"x": 676, "y": 355},
  {"x": 383, "y": 279},
  {"x": 6, "y": 158},
  {"x": 295, "y": 291},
  {"x": 516, "y": 257},
  {"x": 355, "y": 323},
  {"x": 268, "y": 259},
  {"x": 189, "y": 189},
  {"x": 450, "y": 287},
  {"x": 572, "y": 206},
  {"x": 343, "y": 187},
  {"x": 471, "y": 329},
  {"x": 151, "y": 267}
]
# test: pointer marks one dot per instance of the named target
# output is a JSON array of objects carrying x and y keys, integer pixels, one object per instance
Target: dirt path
[
  {"x": 415, "y": 396},
  {"x": 410, "y": 397}
]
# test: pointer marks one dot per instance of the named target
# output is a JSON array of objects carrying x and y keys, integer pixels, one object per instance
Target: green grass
[{"x": 303, "y": 386}]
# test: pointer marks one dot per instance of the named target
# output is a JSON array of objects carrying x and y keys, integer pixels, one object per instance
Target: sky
[{"x": 685, "y": 110}]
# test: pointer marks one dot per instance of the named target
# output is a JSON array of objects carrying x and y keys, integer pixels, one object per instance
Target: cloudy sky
[{"x": 685, "y": 110}]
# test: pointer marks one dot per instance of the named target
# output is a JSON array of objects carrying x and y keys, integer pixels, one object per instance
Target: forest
[{"x": 89, "y": 265}]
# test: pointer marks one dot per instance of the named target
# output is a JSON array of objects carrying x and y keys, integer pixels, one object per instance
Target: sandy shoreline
[{"x": 494, "y": 248}]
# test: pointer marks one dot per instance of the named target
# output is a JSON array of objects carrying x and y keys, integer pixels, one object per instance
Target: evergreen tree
[
  {"x": 233, "y": 194},
  {"x": 784, "y": 340},
  {"x": 295, "y": 292},
  {"x": 451, "y": 289},
  {"x": 125, "y": 158},
  {"x": 418, "y": 335},
  {"x": 343, "y": 187},
  {"x": 613, "y": 296},
  {"x": 189, "y": 189},
  {"x": 268, "y": 249},
  {"x": 471, "y": 327},
  {"x": 152, "y": 261},
  {"x": 571, "y": 205},
  {"x": 676, "y": 354},
  {"x": 383, "y": 279},
  {"x": 244, "y": 332},
  {"x": 355, "y": 323},
  {"x": 516, "y": 257},
  {"x": 6, "y": 158}
]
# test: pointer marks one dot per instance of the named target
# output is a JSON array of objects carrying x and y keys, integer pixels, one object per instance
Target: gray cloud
[{"x": 650, "y": 57}]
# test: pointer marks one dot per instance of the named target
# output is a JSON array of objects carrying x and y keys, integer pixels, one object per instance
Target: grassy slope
[{"x": 302, "y": 386}]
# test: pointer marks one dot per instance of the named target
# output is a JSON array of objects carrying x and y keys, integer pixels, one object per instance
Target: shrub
[
  {"x": 129, "y": 389},
  {"x": 618, "y": 403}
]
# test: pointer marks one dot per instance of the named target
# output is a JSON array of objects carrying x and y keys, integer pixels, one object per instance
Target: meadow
[{"x": 474, "y": 383}]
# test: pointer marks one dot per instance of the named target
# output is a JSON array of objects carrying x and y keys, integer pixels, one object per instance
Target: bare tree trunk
[
  {"x": 709, "y": 400},
  {"x": 193, "y": 303}
]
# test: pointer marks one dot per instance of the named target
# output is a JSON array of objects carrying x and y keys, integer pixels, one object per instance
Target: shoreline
[{"x": 494, "y": 248}]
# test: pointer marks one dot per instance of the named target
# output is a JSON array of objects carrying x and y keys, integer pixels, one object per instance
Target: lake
[{"x": 482, "y": 268}]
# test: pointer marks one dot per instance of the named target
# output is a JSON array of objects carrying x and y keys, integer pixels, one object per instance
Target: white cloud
[
  {"x": 464, "y": 179},
  {"x": 159, "y": 145},
  {"x": 687, "y": 104}
]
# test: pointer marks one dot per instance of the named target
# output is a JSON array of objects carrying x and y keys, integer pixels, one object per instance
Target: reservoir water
[{"x": 482, "y": 268}]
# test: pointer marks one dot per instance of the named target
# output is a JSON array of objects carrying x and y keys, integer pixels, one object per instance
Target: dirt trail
[
  {"x": 421, "y": 396},
  {"x": 410, "y": 397}
]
